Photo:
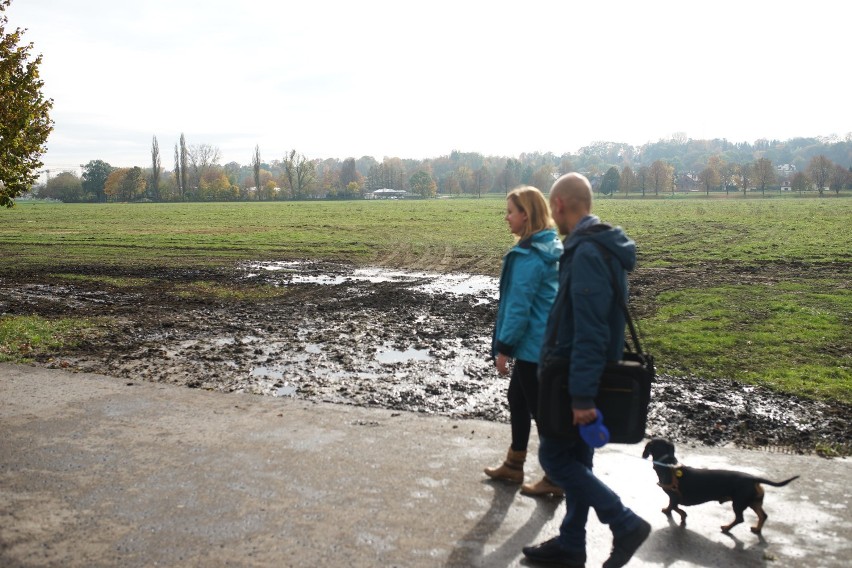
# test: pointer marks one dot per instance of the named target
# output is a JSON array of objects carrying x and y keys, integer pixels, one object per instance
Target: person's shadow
[
  {"x": 469, "y": 550},
  {"x": 676, "y": 544}
]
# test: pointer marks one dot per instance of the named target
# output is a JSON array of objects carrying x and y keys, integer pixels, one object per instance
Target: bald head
[{"x": 570, "y": 200}]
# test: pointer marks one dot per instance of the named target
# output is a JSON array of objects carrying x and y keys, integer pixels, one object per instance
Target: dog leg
[
  {"x": 682, "y": 514},
  {"x": 738, "y": 518},
  {"x": 757, "y": 507}
]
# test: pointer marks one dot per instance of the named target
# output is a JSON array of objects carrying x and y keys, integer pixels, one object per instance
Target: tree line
[{"x": 676, "y": 165}]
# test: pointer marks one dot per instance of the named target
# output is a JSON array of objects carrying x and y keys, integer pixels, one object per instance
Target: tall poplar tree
[{"x": 155, "y": 170}]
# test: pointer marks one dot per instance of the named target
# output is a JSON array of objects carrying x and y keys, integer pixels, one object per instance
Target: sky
[{"x": 419, "y": 79}]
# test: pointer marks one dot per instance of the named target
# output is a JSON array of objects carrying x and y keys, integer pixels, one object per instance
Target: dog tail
[{"x": 778, "y": 483}]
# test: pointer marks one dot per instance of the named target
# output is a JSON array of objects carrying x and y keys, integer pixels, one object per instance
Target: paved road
[{"x": 98, "y": 472}]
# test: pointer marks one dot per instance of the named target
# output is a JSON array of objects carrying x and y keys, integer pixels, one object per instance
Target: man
[{"x": 586, "y": 324}]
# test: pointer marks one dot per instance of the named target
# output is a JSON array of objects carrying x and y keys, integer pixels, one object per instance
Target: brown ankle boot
[
  {"x": 512, "y": 469},
  {"x": 543, "y": 486}
]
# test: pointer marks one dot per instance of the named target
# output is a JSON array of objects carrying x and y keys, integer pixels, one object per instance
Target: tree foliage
[
  {"x": 610, "y": 182},
  {"x": 422, "y": 184},
  {"x": 95, "y": 174},
  {"x": 25, "y": 121}
]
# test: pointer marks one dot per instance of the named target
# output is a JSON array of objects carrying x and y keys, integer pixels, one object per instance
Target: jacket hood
[
  {"x": 546, "y": 242},
  {"x": 614, "y": 239}
]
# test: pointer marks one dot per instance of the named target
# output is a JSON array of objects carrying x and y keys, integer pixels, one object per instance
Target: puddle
[
  {"x": 286, "y": 390},
  {"x": 484, "y": 288},
  {"x": 388, "y": 356},
  {"x": 266, "y": 373}
]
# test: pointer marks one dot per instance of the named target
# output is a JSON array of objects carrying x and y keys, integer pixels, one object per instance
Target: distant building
[{"x": 386, "y": 193}]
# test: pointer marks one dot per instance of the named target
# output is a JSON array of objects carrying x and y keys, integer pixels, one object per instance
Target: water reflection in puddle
[
  {"x": 295, "y": 272},
  {"x": 388, "y": 356}
]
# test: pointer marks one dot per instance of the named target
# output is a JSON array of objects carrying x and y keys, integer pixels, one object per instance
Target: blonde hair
[{"x": 530, "y": 200}]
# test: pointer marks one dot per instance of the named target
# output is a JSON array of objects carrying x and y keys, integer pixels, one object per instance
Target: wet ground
[{"x": 385, "y": 338}]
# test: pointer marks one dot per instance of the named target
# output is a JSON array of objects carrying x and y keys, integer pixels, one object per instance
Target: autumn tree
[
  {"x": 125, "y": 184},
  {"x": 464, "y": 175},
  {"x": 482, "y": 180},
  {"x": 542, "y": 177},
  {"x": 422, "y": 184},
  {"x": 819, "y": 171},
  {"x": 799, "y": 182},
  {"x": 155, "y": 170},
  {"x": 709, "y": 177},
  {"x": 65, "y": 187},
  {"x": 627, "y": 181},
  {"x": 25, "y": 121},
  {"x": 611, "y": 179},
  {"x": 763, "y": 173},
  {"x": 451, "y": 184},
  {"x": 660, "y": 176},
  {"x": 839, "y": 179}
]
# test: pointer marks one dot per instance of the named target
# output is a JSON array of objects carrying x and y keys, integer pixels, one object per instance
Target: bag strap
[{"x": 617, "y": 291}]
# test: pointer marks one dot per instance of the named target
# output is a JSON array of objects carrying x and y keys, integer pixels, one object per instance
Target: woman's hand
[{"x": 502, "y": 364}]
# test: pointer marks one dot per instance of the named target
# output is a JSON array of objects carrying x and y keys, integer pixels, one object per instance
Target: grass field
[{"x": 752, "y": 289}]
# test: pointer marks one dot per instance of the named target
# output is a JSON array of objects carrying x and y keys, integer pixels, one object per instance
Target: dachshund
[{"x": 692, "y": 486}]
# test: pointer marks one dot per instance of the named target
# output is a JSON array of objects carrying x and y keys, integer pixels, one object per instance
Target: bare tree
[
  {"x": 300, "y": 173},
  {"x": 201, "y": 158},
  {"x": 819, "y": 170},
  {"x": 183, "y": 167}
]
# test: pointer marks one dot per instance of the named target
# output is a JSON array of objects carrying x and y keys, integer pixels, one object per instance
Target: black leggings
[{"x": 523, "y": 398}]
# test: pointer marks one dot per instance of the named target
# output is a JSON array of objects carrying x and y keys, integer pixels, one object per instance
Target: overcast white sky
[{"x": 418, "y": 79}]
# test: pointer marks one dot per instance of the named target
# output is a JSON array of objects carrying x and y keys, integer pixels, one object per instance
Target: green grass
[
  {"x": 788, "y": 336},
  {"x": 792, "y": 335},
  {"x": 23, "y": 337},
  {"x": 668, "y": 232}
]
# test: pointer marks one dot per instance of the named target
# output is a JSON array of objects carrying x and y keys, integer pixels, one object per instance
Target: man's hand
[
  {"x": 585, "y": 416},
  {"x": 503, "y": 364}
]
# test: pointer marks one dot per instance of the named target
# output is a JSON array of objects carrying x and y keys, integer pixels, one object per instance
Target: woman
[{"x": 528, "y": 284}]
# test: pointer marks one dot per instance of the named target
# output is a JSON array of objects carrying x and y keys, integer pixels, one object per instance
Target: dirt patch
[{"x": 414, "y": 341}]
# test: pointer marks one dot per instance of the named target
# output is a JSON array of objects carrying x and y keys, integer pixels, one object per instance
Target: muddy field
[{"x": 414, "y": 341}]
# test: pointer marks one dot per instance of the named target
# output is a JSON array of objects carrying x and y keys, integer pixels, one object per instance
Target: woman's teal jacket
[{"x": 528, "y": 283}]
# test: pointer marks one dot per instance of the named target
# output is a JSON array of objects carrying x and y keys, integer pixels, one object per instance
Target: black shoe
[
  {"x": 625, "y": 546},
  {"x": 551, "y": 552}
]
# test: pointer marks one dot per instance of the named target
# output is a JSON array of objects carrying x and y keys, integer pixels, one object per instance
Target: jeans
[{"x": 569, "y": 465}]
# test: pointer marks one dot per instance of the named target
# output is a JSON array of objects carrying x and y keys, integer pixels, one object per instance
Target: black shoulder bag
[{"x": 624, "y": 392}]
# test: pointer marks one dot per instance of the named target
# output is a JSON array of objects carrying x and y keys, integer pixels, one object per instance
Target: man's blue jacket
[
  {"x": 586, "y": 323},
  {"x": 528, "y": 284}
]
